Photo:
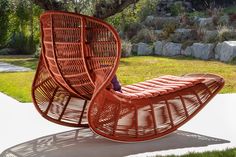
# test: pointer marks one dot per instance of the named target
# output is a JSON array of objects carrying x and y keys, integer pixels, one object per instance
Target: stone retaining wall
[{"x": 225, "y": 51}]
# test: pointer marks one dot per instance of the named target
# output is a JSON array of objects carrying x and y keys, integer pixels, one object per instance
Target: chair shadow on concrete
[{"x": 82, "y": 142}]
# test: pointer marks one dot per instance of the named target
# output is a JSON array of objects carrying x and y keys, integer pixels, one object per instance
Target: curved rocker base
[{"x": 129, "y": 120}]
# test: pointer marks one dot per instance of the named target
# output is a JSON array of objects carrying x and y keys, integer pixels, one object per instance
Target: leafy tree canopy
[{"x": 98, "y": 8}]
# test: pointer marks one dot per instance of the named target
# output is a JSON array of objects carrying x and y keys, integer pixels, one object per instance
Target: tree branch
[
  {"x": 50, "y": 4},
  {"x": 102, "y": 9},
  {"x": 105, "y": 9}
]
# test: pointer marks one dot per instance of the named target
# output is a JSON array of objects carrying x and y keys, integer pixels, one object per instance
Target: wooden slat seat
[{"x": 158, "y": 86}]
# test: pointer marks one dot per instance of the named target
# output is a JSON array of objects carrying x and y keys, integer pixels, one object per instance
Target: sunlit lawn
[
  {"x": 17, "y": 85},
  {"x": 131, "y": 70},
  {"x": 136, "y": 69},
  {"x": 225, "y": 153}
]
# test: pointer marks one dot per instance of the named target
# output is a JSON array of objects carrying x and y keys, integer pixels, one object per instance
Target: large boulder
[
  {"x": 158, "y": 47},
  {"x": 225, "y": 51},
  {"x": 142, "y": 49},
  {"x": 171, "y": 49},
  {"x": 188, "y": 51},
  {"x": 203, "y": 51}
]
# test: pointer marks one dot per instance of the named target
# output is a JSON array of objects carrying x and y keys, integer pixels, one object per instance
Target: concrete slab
[
  {"x": 20, "y": 122},
  {"x": 25, "y": 133},
  {"x": 5, "y": 67},
  {"x": 217, "y": 119}
]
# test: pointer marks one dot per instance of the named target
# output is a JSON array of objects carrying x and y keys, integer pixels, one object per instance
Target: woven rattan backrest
[{"x": 81, "y": 53}]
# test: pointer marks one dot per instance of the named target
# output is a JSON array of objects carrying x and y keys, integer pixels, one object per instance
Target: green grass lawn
[
  {"x": 136, "y": 69},
  {"x": 225, "y": 153},
  {"x": 131, "y": 70},
  {"x": 18, "y": 84}
]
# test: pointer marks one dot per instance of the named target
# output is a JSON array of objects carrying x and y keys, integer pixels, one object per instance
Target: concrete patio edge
[{"x": 212, "y": 129}]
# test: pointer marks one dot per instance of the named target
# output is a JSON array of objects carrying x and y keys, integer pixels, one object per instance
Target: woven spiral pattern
[{"x": 79, "y": 58}]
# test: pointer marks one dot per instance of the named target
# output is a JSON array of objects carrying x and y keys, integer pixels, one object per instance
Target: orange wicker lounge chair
[{"x": 80, "y": 55}]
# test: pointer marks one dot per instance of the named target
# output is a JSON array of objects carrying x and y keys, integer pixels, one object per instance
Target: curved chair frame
[
  {"x": 51, "y": 54},
  {"x": 80, "y": 55}
]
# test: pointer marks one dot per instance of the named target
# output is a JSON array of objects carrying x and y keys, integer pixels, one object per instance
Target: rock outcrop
[{"x": 225, "y": 51}]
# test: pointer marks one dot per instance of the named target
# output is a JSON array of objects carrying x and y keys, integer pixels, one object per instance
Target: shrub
[
  {"x": 126, "y": 48},
  {"x": 200, "y": 34},
  {"x": 177, "y": 9},
  {"x": 194, "y": 34},
  {"x": 8, "y": 51},
  {"x": 225, "y": 33},
  {"x": 223, "y": 20},
  {"x": 21, "y": 43},
  {"x": 131, "y": 30},
  {"x": 215, "y": 13},
  {"x": 197, "y": 14},
  {"x": 168, "y": 29},
  {"x": 147, "y": 7},
  {"x": 232, "y": 17},
  {"x": 145, "y": 35},
  {"x": 37, "y": 51},
  {"x": 186, "y": 20},
  {"x": 227, "y": 36},
  {"x": 233, "y": 61}
]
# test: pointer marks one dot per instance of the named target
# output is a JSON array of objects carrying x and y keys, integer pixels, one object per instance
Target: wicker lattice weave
[{"x": 80, "y": 55}]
